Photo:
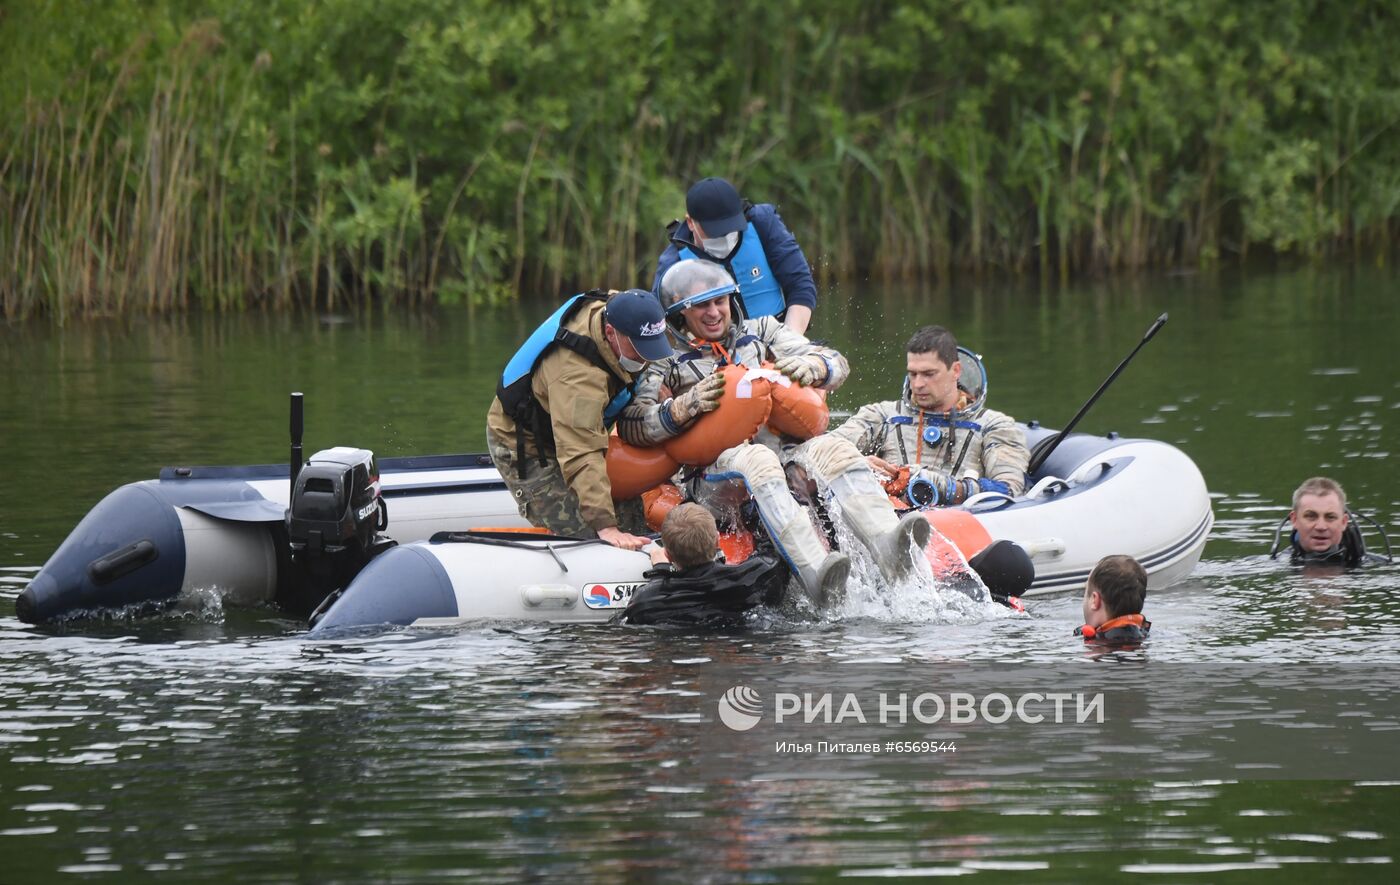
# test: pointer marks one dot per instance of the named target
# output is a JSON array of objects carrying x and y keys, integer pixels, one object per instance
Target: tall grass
[{"x": 336, "y": 152}]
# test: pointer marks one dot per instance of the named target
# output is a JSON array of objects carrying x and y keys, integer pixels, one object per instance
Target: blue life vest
[
  {"x": 514, "y": 388},
  {"x": 758, "y": 288}
]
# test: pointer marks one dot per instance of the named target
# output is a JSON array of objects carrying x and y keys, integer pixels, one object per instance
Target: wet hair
[
  {"x": 1122, "y": 583},
  {"x": 1319, "y": 485},
  {"x": 690, "y": 276},
  {"x": 690, "y": 535},
  {"x": 937, "y": 341}
]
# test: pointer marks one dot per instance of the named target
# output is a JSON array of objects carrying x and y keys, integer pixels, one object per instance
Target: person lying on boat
[
  {"x": 1323, "y": 531},
  {"x": 687, "y": 587},
  {"x": 701, "y": 301},
  {"x": 1113, "y": 600},
  {"x": 938, "y": 444},
  {"x": 547, "y": 429}
]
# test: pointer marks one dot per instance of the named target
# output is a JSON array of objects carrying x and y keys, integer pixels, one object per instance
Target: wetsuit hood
[{"x": 1351, "y": 550}]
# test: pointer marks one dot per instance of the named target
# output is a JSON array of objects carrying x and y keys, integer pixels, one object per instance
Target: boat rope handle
[
  {"x": 995, "y": 500},
  {"x": 1083, "y": 473},
  {"x": 1045, "y": 486},
  {"x": 550, "y": 548},
  {"x": 562, "y": 566}
]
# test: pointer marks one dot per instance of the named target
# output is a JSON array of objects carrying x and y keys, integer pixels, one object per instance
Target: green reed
[{"x": 328, "y": 154}]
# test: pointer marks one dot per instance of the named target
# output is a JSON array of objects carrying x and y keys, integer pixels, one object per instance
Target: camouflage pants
[{"x": 544, "y": 499}]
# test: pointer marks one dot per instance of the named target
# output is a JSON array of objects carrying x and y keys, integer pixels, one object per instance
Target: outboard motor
[{"x": 335, "y": 519}]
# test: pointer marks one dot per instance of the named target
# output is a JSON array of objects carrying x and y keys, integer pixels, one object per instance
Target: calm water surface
[{"x": 218, "y": 745}]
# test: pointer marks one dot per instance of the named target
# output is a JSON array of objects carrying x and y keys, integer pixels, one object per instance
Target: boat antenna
[
  {"x": 297, "y": 426},
  {"x": 1055, "y": 441}
]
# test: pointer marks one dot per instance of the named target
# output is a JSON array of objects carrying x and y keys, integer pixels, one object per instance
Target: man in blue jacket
[{"x": 752, "y": 243}]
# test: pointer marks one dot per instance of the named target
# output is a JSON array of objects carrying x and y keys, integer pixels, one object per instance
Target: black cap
[
  {"x": 714, "y": 204},
  {"x": 637, "y": 314}
]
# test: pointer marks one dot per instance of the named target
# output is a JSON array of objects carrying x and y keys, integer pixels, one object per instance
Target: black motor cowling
[{"x": 335, "y": 519}]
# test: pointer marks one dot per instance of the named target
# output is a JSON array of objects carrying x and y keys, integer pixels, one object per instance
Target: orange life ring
[
  {"x": 633, "y": 470},
  {"x": 743, "y": 409},
  {"x": 736, "y": 546},
  {"x": 799, "y": 412},
  {"x": 659, "y": 502},
  {"x": 954, "y": 529}
]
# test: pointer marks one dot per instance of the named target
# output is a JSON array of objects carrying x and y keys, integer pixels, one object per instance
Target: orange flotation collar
[
  {"x": 633, "y": 470},
  {"x": 748, "y": 403},
  {"x": 1132, "y": 621},
  {"x": 799, "y": 412}
]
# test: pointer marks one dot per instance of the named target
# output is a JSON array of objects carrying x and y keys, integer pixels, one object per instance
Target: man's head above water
[{"x": 1319, "y": 514}]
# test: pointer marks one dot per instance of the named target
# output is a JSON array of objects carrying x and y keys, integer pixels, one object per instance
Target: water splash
[
  {"x": 204, "y": 604},
  {"x": 954, "y": 595}
]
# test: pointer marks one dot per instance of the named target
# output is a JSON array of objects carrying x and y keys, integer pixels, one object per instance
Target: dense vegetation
[{"x": 159, "y": 153}]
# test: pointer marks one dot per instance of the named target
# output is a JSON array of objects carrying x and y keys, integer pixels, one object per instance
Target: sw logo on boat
[{"x": 609, "y": 595}]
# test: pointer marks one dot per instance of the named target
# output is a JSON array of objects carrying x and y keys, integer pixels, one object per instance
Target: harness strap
[
  {"x": 528, "y": 410},
  {"x": 721, "y": 355}
]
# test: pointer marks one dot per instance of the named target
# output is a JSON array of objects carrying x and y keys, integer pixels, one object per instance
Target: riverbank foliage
[{"x": 237, "y": 153}]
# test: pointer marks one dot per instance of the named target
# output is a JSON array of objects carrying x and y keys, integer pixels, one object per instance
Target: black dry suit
[
  {"x": 708, "y": 596},
  {"x": 1350, "y": 552}
]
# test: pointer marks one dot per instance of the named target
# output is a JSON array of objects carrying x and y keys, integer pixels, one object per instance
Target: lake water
[{"x": 218, "y": 745}]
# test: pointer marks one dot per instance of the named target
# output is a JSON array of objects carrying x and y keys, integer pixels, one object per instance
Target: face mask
[
  {"x": 631, "y": 365},
  {"x": 720, "y": 247}
]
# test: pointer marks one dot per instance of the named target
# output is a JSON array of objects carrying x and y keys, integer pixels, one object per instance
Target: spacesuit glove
[
  {"x": 808, "y": 370},
  {"x": 703, "y": 397},
  {"x": 993, "y": 485},
  {"x": 927, "y": 488},
  {"x": 934, "y": 488}
]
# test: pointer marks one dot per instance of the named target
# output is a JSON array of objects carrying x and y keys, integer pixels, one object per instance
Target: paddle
[
  {"x": 297, "y": 424},
  {"x": 1058, "y": 438}
]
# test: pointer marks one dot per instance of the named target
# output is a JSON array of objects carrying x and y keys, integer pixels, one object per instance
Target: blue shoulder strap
[
  {"x": 524, "y": 359},
  {"x": 618, "y": 403}
]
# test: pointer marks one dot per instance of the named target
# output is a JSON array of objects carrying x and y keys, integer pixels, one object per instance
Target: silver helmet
[{"x": 693, "y": 281}]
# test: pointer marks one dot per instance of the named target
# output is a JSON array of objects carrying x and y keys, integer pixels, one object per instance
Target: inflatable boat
[{"x": 389, "y": 541}]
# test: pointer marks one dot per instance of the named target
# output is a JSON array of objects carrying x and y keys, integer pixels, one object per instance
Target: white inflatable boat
[{"x": 227, "y": 529}]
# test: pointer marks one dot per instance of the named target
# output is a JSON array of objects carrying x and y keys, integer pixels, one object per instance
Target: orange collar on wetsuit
[
  {"x": 1128, "y": 623},
  {"x": 715, "y": 350}
]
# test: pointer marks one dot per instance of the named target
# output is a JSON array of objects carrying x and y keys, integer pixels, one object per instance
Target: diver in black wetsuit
[
  {"x": 688, "y": 588},
  {"x": 1324, "y": 532},
  {"x": 1113, "y": 600}
]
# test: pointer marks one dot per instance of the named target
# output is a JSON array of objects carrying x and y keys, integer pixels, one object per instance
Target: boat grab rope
[{"x": 547, "y": 547}]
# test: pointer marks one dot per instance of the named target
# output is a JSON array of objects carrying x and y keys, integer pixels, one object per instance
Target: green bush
[{"x": 235, "y": 153}]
